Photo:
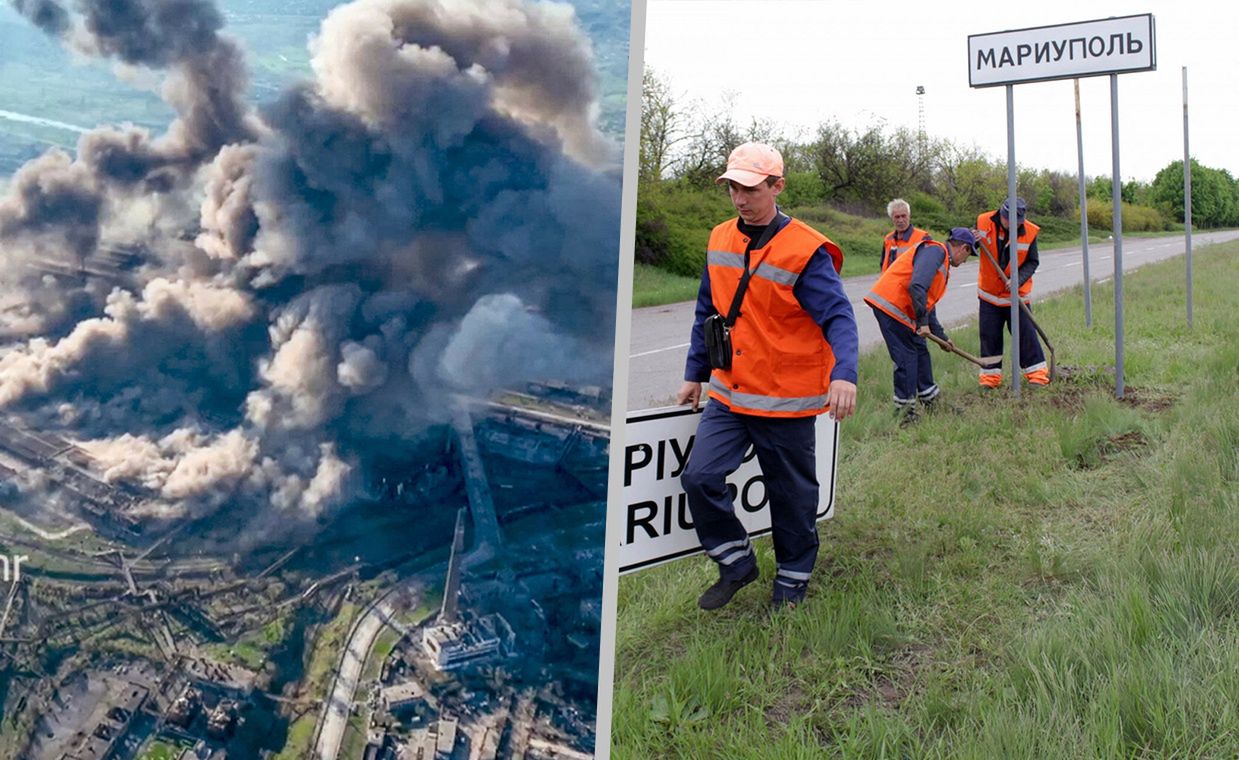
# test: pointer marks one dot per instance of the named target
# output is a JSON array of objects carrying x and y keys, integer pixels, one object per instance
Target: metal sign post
[
  {"x": 1013, "y": 247},
  {"x": 1116, "y": 197},
  {"x": 1187, "y": 200},
  {"x": 1064, "y": 51},
  {"x": 1088, "y": 280}
]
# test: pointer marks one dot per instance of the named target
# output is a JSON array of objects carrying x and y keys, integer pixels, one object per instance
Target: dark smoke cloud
[
  {"x": 206, "y": 72},
  {"x": 434, "y": 213},
  {"x": 46, "y": 14},
  {"x": 59, "y": 208}
]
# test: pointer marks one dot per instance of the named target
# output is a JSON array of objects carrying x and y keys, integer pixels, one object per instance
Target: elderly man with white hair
[{"x": 904, "y": 237}]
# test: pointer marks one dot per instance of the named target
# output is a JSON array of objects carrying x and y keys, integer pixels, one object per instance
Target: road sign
[
  {"x": 658, "y": 526},
  {"x": 1109, "y": 46},
  {"x": 1062, "y": 51}
]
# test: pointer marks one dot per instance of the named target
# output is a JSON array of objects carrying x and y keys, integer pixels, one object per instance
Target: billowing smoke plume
[{"x": 242, "y": 309}]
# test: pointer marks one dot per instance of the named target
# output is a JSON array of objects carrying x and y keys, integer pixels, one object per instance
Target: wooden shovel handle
[{"x": 955, "y": 350}]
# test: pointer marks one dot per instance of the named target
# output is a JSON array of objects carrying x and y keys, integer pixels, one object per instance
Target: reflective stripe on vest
[
  {"x": 989, "y": 285},
  {"x": 753, "y": 403},
  {"x": 764, "y": 270},
  {"x": 890, "y": 292},
  {"x": 781, "y": 362},
  {"x": 893, "y": 249}
]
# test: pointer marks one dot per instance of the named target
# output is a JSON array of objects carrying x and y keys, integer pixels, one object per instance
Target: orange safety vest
[
  {"x": 989, "y": 284},
  {"x": 892, "y": 248},
  {"x": 890, "y": 292},
  {"x": 781, "y": 362}
]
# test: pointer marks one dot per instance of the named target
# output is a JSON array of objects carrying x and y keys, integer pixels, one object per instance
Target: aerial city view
[{"x": 306, "y": 334}]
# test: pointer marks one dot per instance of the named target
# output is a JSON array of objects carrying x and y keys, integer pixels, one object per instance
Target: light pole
[{"x": 920, "y": 113}]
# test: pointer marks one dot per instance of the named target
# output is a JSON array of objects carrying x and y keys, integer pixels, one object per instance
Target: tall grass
[{"x": 1053, "y": 577}]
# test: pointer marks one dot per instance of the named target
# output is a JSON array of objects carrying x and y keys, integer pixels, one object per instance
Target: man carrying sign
[{"x": 776, "y": 338}]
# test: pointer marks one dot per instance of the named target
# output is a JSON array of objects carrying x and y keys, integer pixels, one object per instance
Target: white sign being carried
[
  {"x": 1063, "y": 51},
  {"x": 658, "y": 526}
]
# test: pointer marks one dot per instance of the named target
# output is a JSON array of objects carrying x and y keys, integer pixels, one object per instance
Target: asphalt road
[
  {"x": 659, "y": 339},
  {"x": 340, "y": 703}
]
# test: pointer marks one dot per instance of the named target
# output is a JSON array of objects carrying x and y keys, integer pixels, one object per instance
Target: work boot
[
  {"x": 1038, "y": 377},
  {"x": 722, "y": 591},
  {"x": 909, "y": 416}
]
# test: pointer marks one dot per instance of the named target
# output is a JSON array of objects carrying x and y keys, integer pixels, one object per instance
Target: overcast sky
[{"x": 803, "y": 62}]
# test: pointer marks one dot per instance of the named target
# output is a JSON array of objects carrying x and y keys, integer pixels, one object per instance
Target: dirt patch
[
  {"x": 890, "y": 692},
  {"x": 1148, "y": 400},
  {"x": 1084, "y": 375},
  {"x": 791, "y": 703},
  {"x": 1129, "y": 441},
  {"x": 1071, "y": 394},
  {"x": 1106, "y": 449},
  {"x": 1068, "y": 398},
  {"x": 889, "y": 689}
]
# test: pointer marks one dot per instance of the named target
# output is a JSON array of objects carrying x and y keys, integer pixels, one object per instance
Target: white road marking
[{"x": 658, "y": 350}]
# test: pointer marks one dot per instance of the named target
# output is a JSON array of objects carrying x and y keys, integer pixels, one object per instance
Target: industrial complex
[{"x": 453, "y": 612}]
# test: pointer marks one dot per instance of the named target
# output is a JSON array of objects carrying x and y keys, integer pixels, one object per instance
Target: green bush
[
  {"x": 1135, "y": 218},
  {"x": 924, "y": 204},
  {"x": 653, "y": 237},
  {"x": 820, "y": 217},
  {"x": 859, "y": 237},
  {"x": 1056, "y": 229},
  {"x": 857, "y": 247},
  {"x": 674, "y": 222},
  {"x": 939, "y": 225},
  {"x": 1215, "y": 194},
  {"x": 803, "y": 188}
]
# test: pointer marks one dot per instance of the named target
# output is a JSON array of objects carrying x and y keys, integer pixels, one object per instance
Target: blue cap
[
  {"x": 963, "y": 235},
  {"x": 1020, "y": 208}
]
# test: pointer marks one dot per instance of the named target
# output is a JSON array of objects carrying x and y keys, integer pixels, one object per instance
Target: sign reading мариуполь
[
  {"x": 658, "y": 526},
  {"x": 1063, "y": 51}
]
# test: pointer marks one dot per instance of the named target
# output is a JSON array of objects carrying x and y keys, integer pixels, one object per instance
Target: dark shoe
[
  {"x": 909, "y": 416},
  {"x": 721, "y": 592}
]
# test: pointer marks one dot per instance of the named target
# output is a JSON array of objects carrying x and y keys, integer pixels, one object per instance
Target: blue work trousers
[
  {"x": 785, "y": 451},
  {"x": 992, "y": 320},
  {"x": 914, "y": 372}
]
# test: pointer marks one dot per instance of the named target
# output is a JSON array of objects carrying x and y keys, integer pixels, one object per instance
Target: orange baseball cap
[{"x": 750, "y": 164}]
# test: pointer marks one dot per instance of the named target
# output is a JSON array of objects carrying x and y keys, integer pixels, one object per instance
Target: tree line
[{"x": 684, "y": 147}]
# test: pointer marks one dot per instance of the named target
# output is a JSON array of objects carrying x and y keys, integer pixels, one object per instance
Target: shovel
[
  {"x": 1006, "y": 281},
  {"x": 980, "y": 361}
]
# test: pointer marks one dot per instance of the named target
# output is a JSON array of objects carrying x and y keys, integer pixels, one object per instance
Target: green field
[{"x": 1048, "y": 578}]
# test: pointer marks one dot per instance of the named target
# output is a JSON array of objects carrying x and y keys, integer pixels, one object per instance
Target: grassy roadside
[
  {"x": 652, "y": 286},
  {"x": 1053, "y": 578}
]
